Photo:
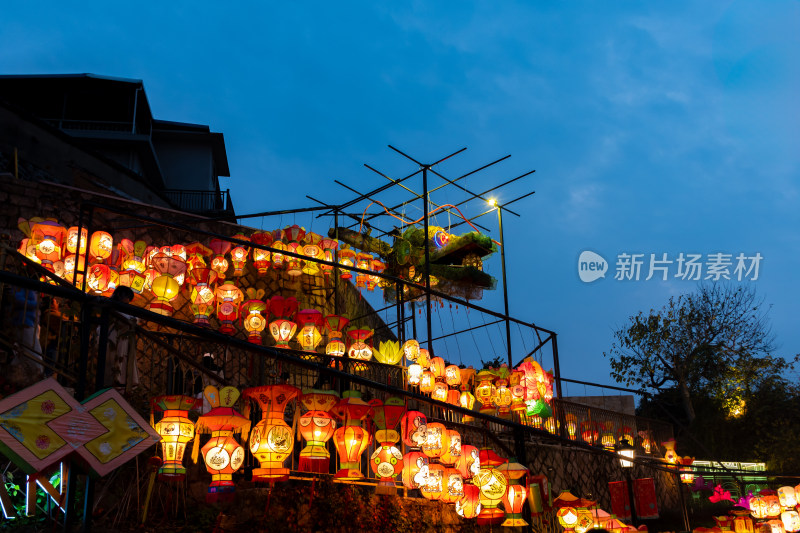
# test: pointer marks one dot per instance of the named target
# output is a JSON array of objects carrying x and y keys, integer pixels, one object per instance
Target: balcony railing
[{"x": 203, "y": 202}]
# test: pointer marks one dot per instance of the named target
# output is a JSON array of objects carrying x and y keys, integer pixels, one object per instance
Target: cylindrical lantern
[
  {"x": 469, "y": 506},
  {"x": 787, "y": 497},
  {"x": 229, "y": 297},
  {"x": 100, "y": 245},
  {"x": 253, "y": 319},
  {"x": 414, "y": 429},
  {"x": 434, "y": 487},
  {"x": 436, "y": 441},
  {"x": 427, "y": 382},
  {"x": 439, "y": 392},
  {"x": 222, "y": 454},
  {"x": 334, "y": 325},
  {"x": 453, "y": 450},
  {"x": 493, "y": 485},
  {"x": 272, "y": 439},
  {"x": 351, "y": 439},
  {"x": 415, "y": 469},
  {"x": 176, "y": 431},
  {"x": 468, "y": 463},
  {"x": 437, "y": 367},
  {"x": 309, "y": 320},
  {"x": 452, "y": 375},
  {"x": 261, "y": 259},
  {"x": 453, "y": 486},
  {"x": 513, "y": 501},
  {"x": 316, "y": 427},
  {"x": 72, "y": 240}
]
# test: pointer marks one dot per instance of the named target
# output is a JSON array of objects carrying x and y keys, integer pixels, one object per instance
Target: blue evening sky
[{"x": 654, "y": 127}]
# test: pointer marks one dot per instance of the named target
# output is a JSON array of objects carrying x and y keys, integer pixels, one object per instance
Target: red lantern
[
  {"x": 220, "y": 249},
  {"x": 229, "y": 297},
  {"x": 196, "y": 254},
  {"x": 347, "y": 258},
  {"x": 222, "y": 454},
  {"x": 359, "y": 349},
  {"x": 351, "y": 439},
  {"x": 469, "y": 506},
  {"x": 387, "y": 460},
  {"x": 272, "y": 439},
  {"x": 414, "y": 429},
  {"x": 453, "y": 486},
  {"x": 415, "y": 469},
  {"x": 468, "y": 463},
  {"x": 364, "y": 262},
  {"x": 294, "y": 234},
  {"x": 312, "y": 250},
  {"x": 282, "y": 328},
  {"x": 316, "y": 427},
  {"x": 373, "y": 280},
  {"x": 261, "y": 257},
  {"x": 334, "y": 325},
  {"x": 329, "y": 246}
]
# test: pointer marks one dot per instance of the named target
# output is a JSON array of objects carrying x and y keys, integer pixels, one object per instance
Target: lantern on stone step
[
  {"x": 239, "y": 254},
  {"x": 351, "y": 438},
  {"x": 387, "y": 460},
  {"x": 312, "y": 250},
  {"x": 100, "y": 245},
  {"x": 196, "y": 254},
  {"x": 219, "y": 249},
  {"x": 434, "y": 487},
  {"x": 364, "y": 262},
  {"x": 468, "y": 463},
  {"x": 261, "y": 259},
  {"x": 229, "y": 298},
  {"x": 252, "y": 311},
  {"x": 329, "y": 247},
  {"x": 485, "y": 391},
  {"x": 411, "y": 350},
  {"x": 201, "y": 295},
  {"x": 316, "y": 426},
  {"x": 436, "y": 440},
  {"x": 222, "y": 454},
  {"x": 347, "y": 258},
  {"x": 359, "y": 349},
  {"x": 282, "y": 328},
  {"x": 414, "y": 429},
  {"x": 309, "y": 321},
  {"x": 452, "y": 375},
  {"x": 166, "y": 285},
  {"x": 72, "y": 240},
  {"x": 176, "y": 431},
  {"x": 427, "y": 382},
  {"x": 334, "y": 326},
  {"x": 271, "y": 440},
  {"x": 493, "y": 485},
  {"x": 49, "y": 237},
  {"x": 469, "y": 506},
  {"x": 415, "y": 469},
  {"x": 439, "y": 392},
  {"x": 294, "y": 234},
  {"x": 414, "y": 374}
]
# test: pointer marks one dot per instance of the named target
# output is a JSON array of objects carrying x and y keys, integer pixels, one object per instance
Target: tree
[{"x": 715, "y": 342}]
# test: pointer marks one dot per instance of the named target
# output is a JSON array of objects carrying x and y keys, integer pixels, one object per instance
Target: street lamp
[{"x": 626, "y": 454}]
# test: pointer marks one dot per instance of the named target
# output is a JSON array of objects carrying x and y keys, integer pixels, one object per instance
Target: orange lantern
[
  {"x": 201, "y": 295},
  {"x": 436, "y": 441},
  {"x": 49, "y": 237},
  {"x": 742, "y": 523},
  {"x": 69, "y": 269},
  {"x": 359, "y": 349},
  {"x": 334, "y": 325},
  {"x": 239, "y": 254},
  {"x": 453, "y": 486},
  {"x": 72, "y": 240},
  {"x": 196, "y": 254},
  {"x": 759, "y": 507},
  {"x": 282, "y": 328},
  {"x": 310, "y": 320},
  {"x": 252, "y": 311},
  {"x": 351, "y": 439},
  {"x": 329, "y": 246},
  {"x": 452, "y": 375},
  {"x": 437, "y": 367},
  {"x": 261, "y": 257},
  {"x": 316, "y": 427},
  {"x": 469, "y": 506},
  {"x": 414, "y": 429},
  {"x": 468, "y": 463},
  {"x": 222, "y": 454},
  {"x": 513, "y": 501},
  {"x": 364, "y": 262},
  {"x": 100, "y": 245},
  {"x": 424, "y": 358},
  {"x": 687, "y": 476},
  {"x": 453, "y": 397},
  {"x": 439, "y": 392},
  {"x": 772, "y": 526},
  {"x": 176, "y": 431},
  {"x": 377, "y": 266},
  {"x": 517, "y": 391},
  {"x": 272, "y": 439},
  {"x": 485, "y": 392},
  {"x": 387, "y": 460},
  {"x": 278, "y": 259},
  {"x": 466, "y": 400},
  {"x": 427, "y": 382},
  {"x": 414, "y": 374},
  {"x": 453, "y": 450},
  {"x": 347, "y": 258},
  {"x": 434, "y": 487},
  {"x": 493, "y": 485},
  {"x": 411, "y": 350},
  {"x": 229, "y": 297},
  {"x": 99, "y": 278},
  {"x": 220, "y": 249},
  {"x": 415, "y": 469},
  {"x": 773, "y": 504},
  {"x": 313, "y": 250}
]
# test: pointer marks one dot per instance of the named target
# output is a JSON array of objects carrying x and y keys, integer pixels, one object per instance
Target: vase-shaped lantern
[
  {"x": 278, "y": 259},
  {"x": 485, "y": 392},
  {"x": 517, "y": 493},
  {"x": 229, "y": 298},
  {"x": 167, "y": 284},
  {"x": 271, "y": 440},
  {"x": 309, "y": 321},
  {"x": 201, "y": 296},
  {"x": 316, "y": 427},
  {"x": 219, "y": 249},
  {"x": 359, "y": 349},
  {"x": 329, "y": 247},
  {"x": 347, "y": 258},
  {"x": 493, "y": 485},
  {"x": 282, "y": 328},
  {"x": 261, "y": 258},
  {"x": 294, "y": 234},
  {"x": 469, "y": 506},
  {"x": 351, "y": 438},
  {"x": 502, "y": 395},
  {"x": 313, "y": 251},
  {"x": 387, "y": 460},
  {"x": 222, "y": 454},
  {"x": 239, "y": 253},
  {"x": 252, "y": 311},
  {"x": 334, "y": 326},
  {"x": 176, "y": 432}
]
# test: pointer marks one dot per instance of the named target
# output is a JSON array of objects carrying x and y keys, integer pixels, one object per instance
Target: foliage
[{"x": 715, "y": 342}]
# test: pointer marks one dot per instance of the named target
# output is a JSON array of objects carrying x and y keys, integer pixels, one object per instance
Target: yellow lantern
[
  {"x": 334, "y": 325},
  {"x": 424, "y": 358},
  {"x": 452, "y": 375},
  {"x": 294, "y": 234},
  {"x": 222, "y": 454},
  {"x": 166, "y": 286},
  {"x": 742, "y": 523},
  {"x": 568, "y": 518},
  {"x": 347, "y": 258},
  {"x": 502, "y": 398},
  {"x": 316, "y": 427},
  {"x": 467, "y": 400},
  {"x": 72, "y": 240},
  {"x": 759, "y": 507},
  {"x": 278, "y": 259},
  {"x": 100, "y": 245},
  {"x": 411, "y": 350},
  {"x": 271, "y": 441},
  {"x": 176, "y": 431},
  {"x": 453, "y": 450},
  {"x": 202, "y": 295},
  {"x": 437, "y": 367},
  {"x": 329, "y": 246},
  {"x": 310, "y": 320},
  {"x": 787, "y": 497},
  {"x": 253, "y": 315}
]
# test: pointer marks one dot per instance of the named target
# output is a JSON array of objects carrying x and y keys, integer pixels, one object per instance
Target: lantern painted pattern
[
  {"x": 359, "y": 349},
  {"x": 100, "y": 245},
  {"x": 427, "y": 382},
  {"x": 329, "y": 247},
  {"x": 316, "y": 426},
  {"x": 453, "y": 486},
  {"x": 219, "y": 263},
  {"x": 261, "y": 258},
  {"x": 351, "y": 439},
  {"x": 452, "y": 375},
  {"x": 49, "y": 237},
  {"x": 469, "y": 462},
  {"x": 202, "y": 296},
  {"x": 567, "y": 517},
  {"x": 334, "y": 326},
  {"x": 347, "y": 258},
  {"x": 411, "y": 350},
  {"x": 72, "y": 240},
  {"x": 176, "y": 432},
  {"x": 434, "y": 487},
  {"x": 414, "y": 374},
  {"x": 252, "y": 312},
  {"x": 282, "y": 328},
  {"x": 493, "y": 485},
  {"x": 312, "y": 250},
  {"x": 293, "y": 235},
  {"x": 513, "y": 501},
  {"x": 229, "y": 297},
  {"x": 790, "y": 520},
  {"x": 387, "y": 460},
  {"x": 436, "y": 440},
  {"x": 271, "y": 440},
  {"x": 485, "y": 391},
  {"x": 309, "y": 320},
  {"x": 222, "y": 454},
  {"x": 453, "y": 450},
  {"x": 787, "y": 497},
  {"x": 415, "y": 469},
  {"x": 414, "y": 429},
  {"x": 469, "y": 506}
]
